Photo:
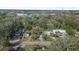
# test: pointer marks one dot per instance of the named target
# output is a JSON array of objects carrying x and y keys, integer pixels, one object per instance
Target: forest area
[{"x": 39, "y": 31}]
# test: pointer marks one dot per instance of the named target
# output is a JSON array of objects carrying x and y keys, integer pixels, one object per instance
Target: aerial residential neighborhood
[{"x": 39, "y": 30}]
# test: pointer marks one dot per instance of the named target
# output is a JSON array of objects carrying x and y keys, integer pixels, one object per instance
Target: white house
[
  {"x": 48, "y": 33},
  {"x": 59, "y": 32}
]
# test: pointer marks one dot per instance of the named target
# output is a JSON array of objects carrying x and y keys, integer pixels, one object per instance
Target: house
[
  {"x": 59, "y": 32},
  {"x": 48, "y": 33}
]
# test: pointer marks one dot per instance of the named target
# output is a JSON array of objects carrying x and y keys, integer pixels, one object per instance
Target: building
[
  {"x": 59, "y": 32},
  {"x": 48, "y": 33}
]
